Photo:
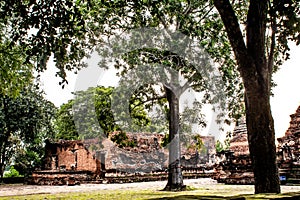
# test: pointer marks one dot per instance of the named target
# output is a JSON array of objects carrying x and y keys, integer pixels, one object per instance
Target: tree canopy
[
  {"x": 41, "y": 29},
  {"x": 24, "y": 122},
  {"x": 14, "y": 73}
]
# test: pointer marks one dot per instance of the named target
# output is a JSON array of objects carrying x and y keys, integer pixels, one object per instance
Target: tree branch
[
  {"x": 149, "y": 100},
  {"x": 273, "y": 40},
  {"x": 205, "y": 15},
  {"x": 233, "y": 29},
  {"x": 256, "y": 28},
  {"x": 185, "y": 12}
]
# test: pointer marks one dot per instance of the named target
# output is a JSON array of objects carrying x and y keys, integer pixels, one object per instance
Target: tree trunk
[
  {"x": 2, "y": 167},
  {"x": 256, "y": 74},
  {"x": 1, "y": 173},
  {"x": 175, "y": 178},
  {"x": 261, "y": 139},
  {"x": 257, "y": 81}
]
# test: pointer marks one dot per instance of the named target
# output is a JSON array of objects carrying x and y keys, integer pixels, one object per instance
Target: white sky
[{"x": 285, "y": 101}]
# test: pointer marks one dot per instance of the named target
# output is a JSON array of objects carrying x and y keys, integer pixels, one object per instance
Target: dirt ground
[{"x": 204, "y": 183}]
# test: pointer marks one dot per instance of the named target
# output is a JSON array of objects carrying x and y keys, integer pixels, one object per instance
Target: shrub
[{"x": 12, "y": 173}]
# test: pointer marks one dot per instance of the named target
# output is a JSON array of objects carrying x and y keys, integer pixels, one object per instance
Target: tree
[
  {"x": 256, "y": 57},
  {"x": 29, "y": 156},
  {"x": 161, "y": 14},
  {"x": 64, "y": 123},
  {"x": 92, "y": 112},
  {"x": 142, "y": 82},
  {"x": 89, "y": 115},
  {"x": 22, "y": 119}
]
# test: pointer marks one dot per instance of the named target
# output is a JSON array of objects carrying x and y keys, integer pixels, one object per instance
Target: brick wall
[
  {"x": 85, "y": 160},
  {"x": 69, "y": 155}
]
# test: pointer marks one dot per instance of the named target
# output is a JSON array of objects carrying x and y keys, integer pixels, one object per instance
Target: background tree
[
  {"x": 64, "y": 123},
  {"x": 257, "y": 57},
  {"x": 89, "y": 115},
  {"x": 93, "y": 112},
  {"x": 22, "y": 120}
]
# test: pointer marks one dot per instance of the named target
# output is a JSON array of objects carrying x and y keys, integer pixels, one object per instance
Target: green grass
[
  {"x": 115, "y": 195},
  {"x": 218, "y": 192}
]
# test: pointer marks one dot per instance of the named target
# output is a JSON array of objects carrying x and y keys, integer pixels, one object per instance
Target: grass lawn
[{"x": 218, "y": 192}]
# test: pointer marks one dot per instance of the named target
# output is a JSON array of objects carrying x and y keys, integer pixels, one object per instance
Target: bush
[{"x": 12, "y": 173}]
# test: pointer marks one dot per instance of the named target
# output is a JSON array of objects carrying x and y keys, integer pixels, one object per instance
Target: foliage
[
  {"x": 29, "y": 156},
  {"x": 45, "y": 28},
  {"x": 165, "y": 140},
  {"x": 14, "y": 75},
  {"x": 69, "y": 28},
  {"x": 122, "y": 140},
  {"x": 64, "y": 124},
  {"x": 190, "y": 117},
  {"x": 219, "y": 146},
  {"x": 90, "y": 115},
  {"x": 95, "y": 104},
  {"x": 197, "y": 144},
  {"x": 12, "y": 173},
  {"x": 102, "y": 102},
  {"x": 24, "y": 122},
  {"x": 194, "y": 19}
]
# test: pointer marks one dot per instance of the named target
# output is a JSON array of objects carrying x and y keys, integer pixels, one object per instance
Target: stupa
[
  {"x": 236, "y": 168},
  {"x": 288, "y": 151}
]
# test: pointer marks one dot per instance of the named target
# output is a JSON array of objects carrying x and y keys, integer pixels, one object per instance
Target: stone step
[
  {"x": 293, "y": 180},
  {"x": 294, "y": 175}
]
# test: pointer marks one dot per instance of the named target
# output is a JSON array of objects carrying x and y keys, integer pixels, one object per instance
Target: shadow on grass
[
  {"x": 196, "y": 197},
  {"x": 291, "y": 196}
]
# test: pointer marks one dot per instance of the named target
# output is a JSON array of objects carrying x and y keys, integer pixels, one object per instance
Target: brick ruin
[
  {"x": 72, "y": 162},
  {"x": 239, "y": 140},
  {"x": 145, "y": 157},
  {"x": 67, "y": 162},
  {"x": 203, "y": 158},
  {"x": 70, "y": 155},
  {"x": 236, "y": 165},
  {"x": 288, "y": 154},
  {"x": 75, "y": 161}
]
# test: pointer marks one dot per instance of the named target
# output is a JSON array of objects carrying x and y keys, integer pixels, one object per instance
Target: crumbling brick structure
[
  {"x": 204, "y": 157},
  {"x": 239, "y": 142},
  {"x": 92, "y": 160},
  {"x": 236, "y": 168},
  {"x": 67, "y": 162},
  {"x": 288, "y": 154},
  {"x": 70, "y": 155}
]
